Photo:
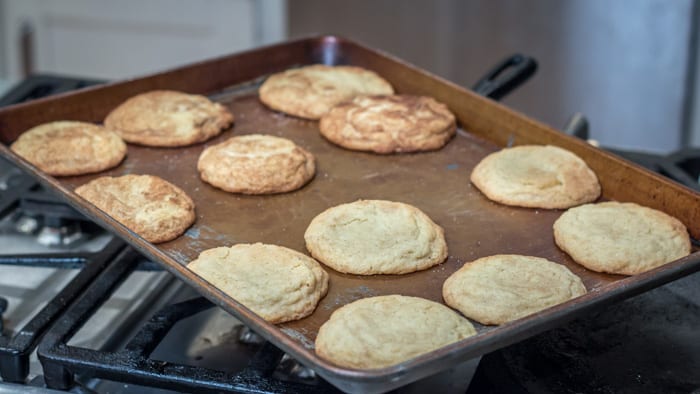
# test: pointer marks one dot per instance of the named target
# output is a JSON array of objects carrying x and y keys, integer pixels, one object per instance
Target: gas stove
[{"x": 83, "y": 312}]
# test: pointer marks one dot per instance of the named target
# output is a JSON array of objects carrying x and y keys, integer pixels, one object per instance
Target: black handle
[
  {"x": 506, "y": 76},
  {"x": 577, "y": 126}
]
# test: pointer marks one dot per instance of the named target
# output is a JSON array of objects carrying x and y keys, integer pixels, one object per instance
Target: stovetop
[{"x": 150, "y": 329}]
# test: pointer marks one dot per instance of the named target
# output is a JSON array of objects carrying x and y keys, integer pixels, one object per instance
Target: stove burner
[
  {"x": 15, "y": 347},
  {"x": 13, "y": 185},
  {"x": 10, "y": 179},
  {"x": 249, "y": 337},
  {"x": 41, "y": 214},
  {"x": 133, "y": 364},
  {"x": 27, "y": 225},
  {"x": 291, "y": 370},
  {"x": 60, "y": 224},
  {"x": 61, "y": 235}
]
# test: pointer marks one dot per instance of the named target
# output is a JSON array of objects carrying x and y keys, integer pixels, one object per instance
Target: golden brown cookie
[
  {"x": 379, "y": 332},
  {"x": 501, "y": 288},
  {"x": 369, "y": 237},
  {"x": 536, "y": 176},
  {"x": 70, "y": 148},
  {"x": 256, "y": 164},
  {"x": 311, "y": 91},
  {"x": 389, "y": 124},
  {"x": 167, "y": 118},
  {"x": 275, "y": 282},
  {"x": 621, "y": 238},
  {"x": 153, "y": 208}
]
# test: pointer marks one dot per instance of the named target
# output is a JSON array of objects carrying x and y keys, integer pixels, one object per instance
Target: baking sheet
[{"x": 436, "y": 182}]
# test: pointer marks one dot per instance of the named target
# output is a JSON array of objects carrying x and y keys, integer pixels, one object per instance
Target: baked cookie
[
  {"x": 620, "y": 238},
  {"x": 379, "y": 332},
  {"x": 536, "y": 176},
  {"x": 389, "y": 124},
  {"x": 167, "y": 118},
  {"x": 311, "y": 91},
  {"x": 153, "y": 208},
  {"x": 369, "y": 237},
  {"x": 70, "y": 148},
  {"x": 501, "y": 288},
  {"x": 256, "y": 164},
  {"x": 275, "y": 282}
]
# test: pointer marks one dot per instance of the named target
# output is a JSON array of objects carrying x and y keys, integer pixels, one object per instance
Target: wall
[
  {"x": 622, "y": 63},
  {"x": 120, "y": 39}
]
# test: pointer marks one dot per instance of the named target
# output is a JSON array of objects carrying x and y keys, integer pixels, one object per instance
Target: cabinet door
[{"x": 117, "y": 39}]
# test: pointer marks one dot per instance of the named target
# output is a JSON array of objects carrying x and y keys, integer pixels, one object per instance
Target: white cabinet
[{"x": 118, "y": 39}]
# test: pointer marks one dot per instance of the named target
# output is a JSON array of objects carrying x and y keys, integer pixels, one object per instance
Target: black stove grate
[
  {"x": 14, "y": 186},
  {"x": 646, "y": 344},
  {"x": 682, "y": 166},
  {"x": 21, "y": 193},
  {"x": 15, "y": 348},
  {"x": 43, "y": 85},
  {"x": 132, "y": 364},
  {"x": 18, "y": 189}
]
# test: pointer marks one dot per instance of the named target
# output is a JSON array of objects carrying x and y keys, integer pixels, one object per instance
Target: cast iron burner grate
[
  {"x": 133, "y": 364},
  {"x": 21, "y": 193},
  {"x": 16, "y": 347},
  {"x": 43, "y": 85},
  {"x": 646, "y": 344},
  {"x": 682, "y": 166}
]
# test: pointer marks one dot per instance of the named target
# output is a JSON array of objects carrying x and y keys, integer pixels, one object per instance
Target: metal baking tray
[{"x": 436, "y": 182}]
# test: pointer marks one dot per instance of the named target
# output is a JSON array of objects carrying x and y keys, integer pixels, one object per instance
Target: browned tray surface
[{"x": 436, "y": 182}]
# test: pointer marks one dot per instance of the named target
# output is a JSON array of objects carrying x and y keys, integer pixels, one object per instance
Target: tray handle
[
  {"x": 577, "y": 126},
  {"x": 507, "y": 75}
]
